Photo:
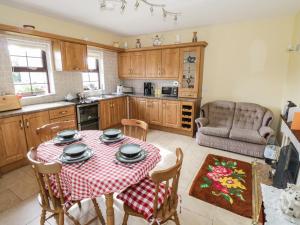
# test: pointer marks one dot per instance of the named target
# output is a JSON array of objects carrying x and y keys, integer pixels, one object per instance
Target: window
[
  {"x": 29, "y": 69},
  {"x": 91, "y": 79}
]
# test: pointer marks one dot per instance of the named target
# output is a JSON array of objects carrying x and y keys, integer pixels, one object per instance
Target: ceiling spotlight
[
  {"x": 123, "y": 6},
  {"x": 102, "y": 4},
  {"x": 164, "y": 13},
  {"x": 137, "y": 4},
  {"x": 151, "y": 10},
  {"x": 175, "y": 17}
]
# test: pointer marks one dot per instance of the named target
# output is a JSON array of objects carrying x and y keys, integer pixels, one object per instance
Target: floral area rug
[{"x": 226, "y": 183}]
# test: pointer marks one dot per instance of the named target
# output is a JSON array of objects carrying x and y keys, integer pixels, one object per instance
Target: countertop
[
  {"x": 35, "y": 108},
  {"x": 52, "y": 105},
  {"x": 141, "y": 95}
]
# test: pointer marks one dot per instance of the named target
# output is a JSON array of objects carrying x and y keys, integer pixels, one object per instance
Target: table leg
[{"x": 109, "y": 200}]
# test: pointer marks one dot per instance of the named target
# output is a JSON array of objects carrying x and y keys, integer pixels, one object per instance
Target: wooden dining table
[{"x": 102, "y": 174}]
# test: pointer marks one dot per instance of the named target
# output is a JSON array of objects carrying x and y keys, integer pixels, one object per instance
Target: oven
[{"x": 87, "y": 116}]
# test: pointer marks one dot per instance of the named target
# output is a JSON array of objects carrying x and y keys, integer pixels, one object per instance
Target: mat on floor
[{"x": 226, "y": 183}]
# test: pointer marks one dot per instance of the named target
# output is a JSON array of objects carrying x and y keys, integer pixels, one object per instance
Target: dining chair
[
  {"x": 135, "y": 128},
  {"x": 48, "y": 175},
  {"x": 155, "y": 198},
  {"x": 48, "y": 131}
]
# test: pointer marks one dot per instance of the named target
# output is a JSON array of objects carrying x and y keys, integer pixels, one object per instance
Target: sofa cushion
[
  {"x": 220, "y": 113},
  {"x": 247, "y": 135},
  {"x": 248, "y": 116},
  {"x": 215, "y": 131}
]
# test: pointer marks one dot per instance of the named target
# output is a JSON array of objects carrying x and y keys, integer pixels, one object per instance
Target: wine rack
[{"x": 187, "y": 115}]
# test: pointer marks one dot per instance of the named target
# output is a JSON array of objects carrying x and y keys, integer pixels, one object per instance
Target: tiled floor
[{"x": 18, "y": 205}]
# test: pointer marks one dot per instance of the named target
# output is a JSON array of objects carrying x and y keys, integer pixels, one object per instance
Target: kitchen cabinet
[
  {"x": 112, "y": 112},
  {"x": 12, "y": 140},
  {"x": 63, "y": 114},
  {"x": 69, "y": 56},
  {"x": 191, "y": 69},
  {"x": 124, "y": 65},
  {"x": 170, "y": 63},
  {"x": 171, "y": 113},
  {"x": 154, "y": 107},
  {"x": 153, "y": 63},
  {"x": 138, "y": 109},
  {"x": 33, "y": 121},
  {"x": 132, "y": 65}
]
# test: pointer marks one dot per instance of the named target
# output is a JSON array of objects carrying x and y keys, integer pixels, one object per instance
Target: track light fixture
[{"x": 165, "y": 13}]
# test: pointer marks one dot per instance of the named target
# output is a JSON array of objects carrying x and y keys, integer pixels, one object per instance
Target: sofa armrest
[
  {"x": 201, "y": 122},
  {"x": 266, "y": 132}
]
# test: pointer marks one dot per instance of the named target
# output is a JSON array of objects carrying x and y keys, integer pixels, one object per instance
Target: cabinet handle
[
  {"x": 21, "y": 124},
  {"x": 27, "y": 124},
  {"x": 63, "y": 112}
]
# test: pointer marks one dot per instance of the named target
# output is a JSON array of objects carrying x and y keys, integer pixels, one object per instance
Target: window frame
[
  {"x": 96, "y": 70},
  {"x": 28, "y": 69}
]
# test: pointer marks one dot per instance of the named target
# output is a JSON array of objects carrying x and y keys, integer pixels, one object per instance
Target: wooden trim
[
  {"x": 172, "y": 130},
  {"x": 22, "y": 31},
  {"x": 182, "y": 45}
]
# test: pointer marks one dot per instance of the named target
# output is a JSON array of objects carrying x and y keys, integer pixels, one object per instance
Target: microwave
[{"x": 169, "y": 91}]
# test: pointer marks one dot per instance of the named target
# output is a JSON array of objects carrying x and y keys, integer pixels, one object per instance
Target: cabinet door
[
  {"x": 74, "y": 57},
  {"x": 12, "y": 140},
  {"x": 32, "y": 122},
  {"x": 119, "y": 109},
  {"x": 142, "y": 112},
  {"x": 153, "y": 63},
  {"x": 190, "y": 75},
  {"x": 155, "y": 111},
  {"x": 133, "y": 108},
  {"x": 171, "y": 114},
  {"x": 138, "y": 68},
  {"x": 170, "y": 63},
  {"x": 124, "y": 65},
  {"x": 105, "y": 114}
]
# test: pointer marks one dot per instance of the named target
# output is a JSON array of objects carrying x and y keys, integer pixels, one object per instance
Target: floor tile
[{"x": 8, "y": 199}]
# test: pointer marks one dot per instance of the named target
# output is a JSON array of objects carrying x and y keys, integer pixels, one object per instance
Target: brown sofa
[{"x": 237, "y": 127}]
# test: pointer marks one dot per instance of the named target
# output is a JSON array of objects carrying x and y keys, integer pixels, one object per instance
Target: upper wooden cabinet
[
  {"x": 12, "y": 140},
  {"x": 170, "y": 63},
  {"x": 69, "y": 56},
  {"x": 153, "y": 63},
  {"x": 191, "y": 72},
  {"x": 132, "y": 65}
]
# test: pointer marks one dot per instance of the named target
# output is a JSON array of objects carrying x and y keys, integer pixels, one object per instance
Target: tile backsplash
[
  {"x": 63, "y": 82},
  {"x": 138, "y": 85}
]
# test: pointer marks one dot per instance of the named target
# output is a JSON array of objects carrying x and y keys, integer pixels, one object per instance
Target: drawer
[
  {"x": 187, "y": 94},
  {"x": 65, "y": 118},
  {"x": 61, "y": 112}
]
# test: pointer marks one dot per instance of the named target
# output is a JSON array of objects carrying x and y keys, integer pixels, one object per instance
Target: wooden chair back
[
  {"x": 48, "y": 131},
  {"x": 135, "y": 128},
  {"x": 170, "y": 178},
  {"x": 47, "y": 175}
]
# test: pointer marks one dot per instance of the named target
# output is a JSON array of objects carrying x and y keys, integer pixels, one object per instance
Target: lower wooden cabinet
[
  {"x": 171, "y": 113},
  {"x": 32, "y": 122},
  {"x": 155, "y": 110},
  {"x": 179, "y": 115},
  {"x": 12, "y": 140},
  {"x": 111, "y": 112}
]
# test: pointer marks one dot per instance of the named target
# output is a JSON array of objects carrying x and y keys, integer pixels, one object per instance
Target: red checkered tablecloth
[{"x": 99, "y": 175}]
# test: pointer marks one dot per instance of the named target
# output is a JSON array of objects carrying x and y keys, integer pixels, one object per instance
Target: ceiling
[{"x": 194, "y": 13}]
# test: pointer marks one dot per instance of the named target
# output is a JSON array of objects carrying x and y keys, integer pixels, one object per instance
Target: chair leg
[
  {"x": 98, "y": 211},
  {"x": 61, "y": 218},
  {"x": 43, "y": 217},
  {"x": 176, "y": 219},
  {"x": 125, "y": 219}
]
